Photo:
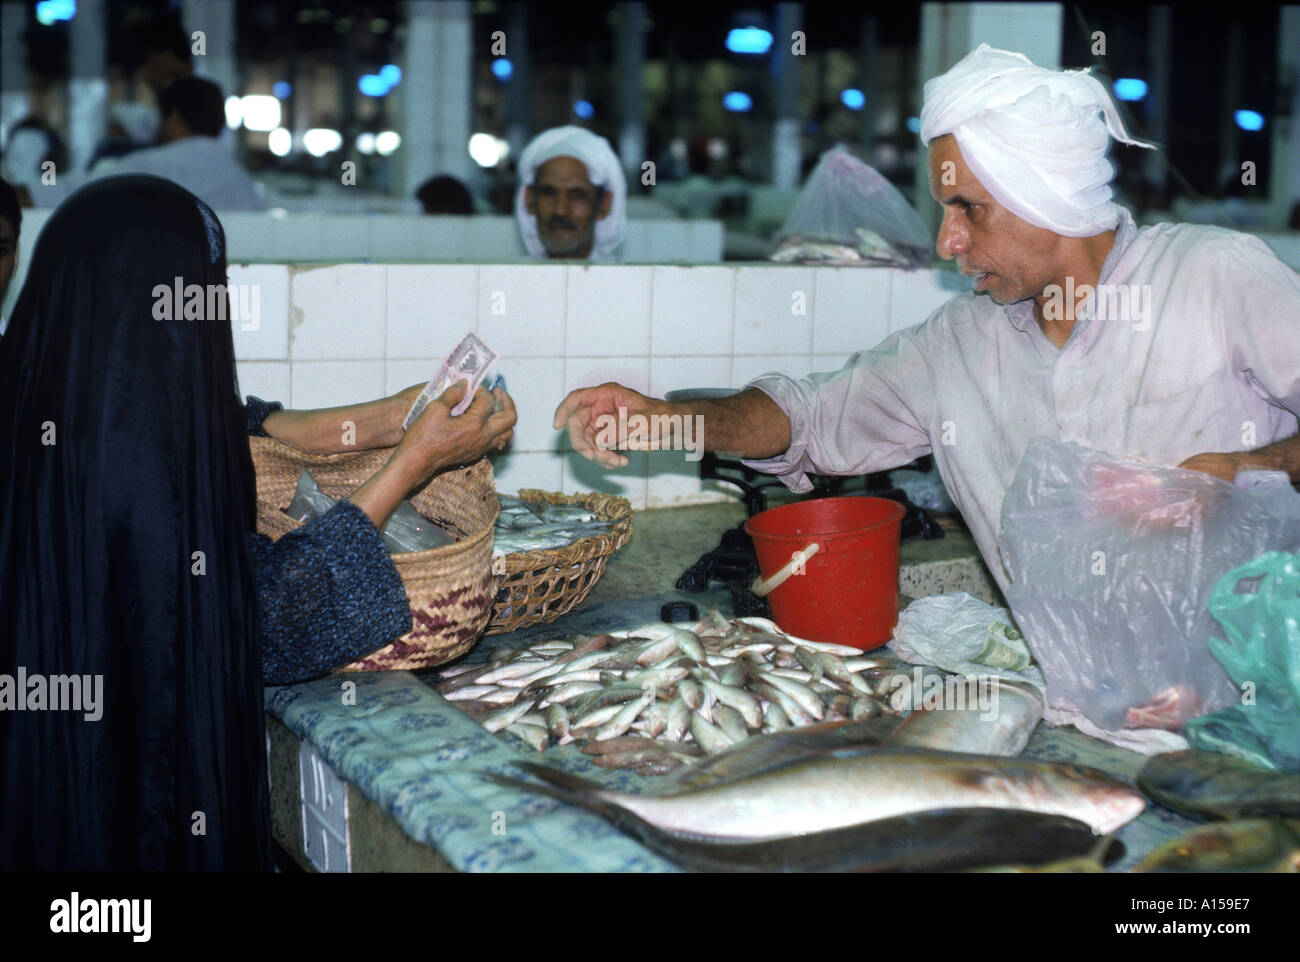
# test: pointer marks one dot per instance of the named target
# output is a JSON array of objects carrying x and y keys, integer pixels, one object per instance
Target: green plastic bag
[{"x": 1262, "y": 657}]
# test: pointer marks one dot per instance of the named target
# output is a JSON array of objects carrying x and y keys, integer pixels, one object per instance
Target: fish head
[{"x": 1103, "y": 802}]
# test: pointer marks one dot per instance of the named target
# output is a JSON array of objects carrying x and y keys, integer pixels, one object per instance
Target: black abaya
[{"x": 126, "y": 499}]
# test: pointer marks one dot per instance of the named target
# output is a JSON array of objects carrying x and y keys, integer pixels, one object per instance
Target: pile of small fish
[
  {"x": 539, "y": 525},
  {"x": 656, "y": 697}
]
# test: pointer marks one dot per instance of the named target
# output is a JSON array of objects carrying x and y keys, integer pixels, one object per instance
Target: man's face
[
  {"x": 1010, "y": 259},
  {"x": 567, "y": 206},
  {"x": 8, "y": 255}
]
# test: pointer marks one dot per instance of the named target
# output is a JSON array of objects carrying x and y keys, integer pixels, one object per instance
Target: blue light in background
[
  {"x": 502, "y": 68},
  {"x": 853, "y": 98},
  {"x": 49, "y": 11},
  {"x": 914, "y": 124},
  {"x": 584, "y": 109},
  {"x": 282, "y": 89},
  {"x": 391, "y": 74},
  {"x": 372, "y": 85},
  {"x": 1130, "y": 88},
  {"x": 737, "y": 101},
  {"x": 749, "y": 40},
  {"x": 1249, "y": 119}
]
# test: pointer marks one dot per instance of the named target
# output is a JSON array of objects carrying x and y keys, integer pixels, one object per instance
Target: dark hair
[
  {"x": 161, "y": 33},
  {"x": 9, "y": 208},
  {"x": 199, "y": 102},
  {"x": 444, "y": 195}
]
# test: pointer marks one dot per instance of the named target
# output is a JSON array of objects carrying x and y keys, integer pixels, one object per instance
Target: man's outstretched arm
[{"x": 749, "y": 423}]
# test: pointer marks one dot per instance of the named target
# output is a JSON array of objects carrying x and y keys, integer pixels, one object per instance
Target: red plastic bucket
[{"x": 848, "y": 591}]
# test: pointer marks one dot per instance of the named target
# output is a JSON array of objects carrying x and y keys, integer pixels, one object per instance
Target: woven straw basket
[
  {"x": 450, "y": 589},
  {"x": 539, "y": 586}
]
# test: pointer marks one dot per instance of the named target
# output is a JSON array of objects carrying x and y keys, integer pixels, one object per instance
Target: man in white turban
[
  {"x": 1176, "y": 343},
  {"x": 572, "y": 199}
]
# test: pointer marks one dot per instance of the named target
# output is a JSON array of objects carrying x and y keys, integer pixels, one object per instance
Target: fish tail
[{"x": 578, "y": 793}]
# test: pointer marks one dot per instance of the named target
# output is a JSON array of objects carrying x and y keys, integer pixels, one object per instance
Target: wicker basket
[
  {"x": 450, "y": 589},
  {"x": 537, "y": 587}
]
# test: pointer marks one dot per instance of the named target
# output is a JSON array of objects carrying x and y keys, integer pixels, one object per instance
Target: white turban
[
  {"x": 603, "y": 170},
  {"x": 1036, "y": 139}
]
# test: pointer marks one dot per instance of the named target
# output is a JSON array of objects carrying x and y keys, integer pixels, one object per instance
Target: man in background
[
  {"x": 572, "y": 195},
  {"x": 190, "y": 152}
]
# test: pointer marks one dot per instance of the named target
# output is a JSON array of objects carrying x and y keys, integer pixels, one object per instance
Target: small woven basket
[
  {"x": 537, "y": 587},
  {"x": 450, "y": 589}
]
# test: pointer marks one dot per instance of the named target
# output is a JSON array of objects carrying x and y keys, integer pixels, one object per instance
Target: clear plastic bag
[
  {"x": 1112, "y": 562},
  {"x": 1262, "y": 657},
  {"x": 406, "y": 530},
  {"x": 848, "y": 212}
]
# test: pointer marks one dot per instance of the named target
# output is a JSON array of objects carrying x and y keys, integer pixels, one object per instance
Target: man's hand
[
  {"x": 585, "y": 409},
  {"x": 1220, "y": 464}
]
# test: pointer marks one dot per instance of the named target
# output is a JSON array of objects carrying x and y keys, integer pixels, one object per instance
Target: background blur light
[
  {"x": 1130, "y": 88},
  {"x": 749, "y": 40},
  {"x": 853, "y": 98},
  {"x": 279, "y": 141},
  {"x": 260, "y": 112},
  {"x": 737, "y": 101},
  {"x": 320, "y": 141},
  {"x": 1249, "y": 120}
]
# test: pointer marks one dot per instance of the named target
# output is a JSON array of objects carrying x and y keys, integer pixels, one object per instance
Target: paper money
[{"x": 468, "y": 362}]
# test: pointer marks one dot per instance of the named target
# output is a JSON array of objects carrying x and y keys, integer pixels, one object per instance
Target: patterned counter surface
[{"x": 422, "y": 761}]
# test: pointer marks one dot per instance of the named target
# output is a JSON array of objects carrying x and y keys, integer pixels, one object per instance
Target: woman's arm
[{"x": 353, "y": 427}]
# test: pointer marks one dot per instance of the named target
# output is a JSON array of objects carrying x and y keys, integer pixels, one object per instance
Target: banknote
[{"x": 468, "y": 362}]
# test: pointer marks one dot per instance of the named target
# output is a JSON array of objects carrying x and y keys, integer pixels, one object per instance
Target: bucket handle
[{"x": 763, "y": 587}]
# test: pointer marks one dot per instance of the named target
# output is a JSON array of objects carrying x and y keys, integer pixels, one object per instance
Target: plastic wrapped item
[
  {"x": 1262, "y": 657},
  {"x": 1112, "y": 562},
  {"x": 406, "y": 530},
  {"x": 962, "y": 634},
  {"x": 924, "y": 489},
  {"x": 848, "y": 213}
]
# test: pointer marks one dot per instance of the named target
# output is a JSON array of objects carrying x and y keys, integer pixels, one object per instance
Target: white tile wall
[
  {"x": 745, "y": 369},
  {"x": 430, "y": 307},
  {"x": 774, "y": 310},
  {"x": 339, "y": 312},
  {"x": 524, "y": 469},
  {"x": 917, "y": 294},
  {"x": 323, "y": 384},
  {"x": 265, "y": 288},
  {"x": 608, "y": 311},
  {"x": 693, "y": 310},
  {"x": 521, "y": 309},
  {"x": 852, "y": 310},
  {"x": 352, "y": 332},
  {"x": 537, "y": 386},
  {"x": 268, "y": 380}
]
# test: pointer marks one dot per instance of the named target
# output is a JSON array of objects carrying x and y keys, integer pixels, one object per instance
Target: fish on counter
[
  {"x": 835, "y": 789},
  {"x": 708, "y": 686},
  {"x": 1018, "y": 708},
  {"x": 1244, "y": 845},
  {"x": 1206, "y": 785}
]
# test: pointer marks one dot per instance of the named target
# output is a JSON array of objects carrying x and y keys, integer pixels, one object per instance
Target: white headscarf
[
  {"x": 1035, "y": 138},
  {"x": 603, "y": 170}
]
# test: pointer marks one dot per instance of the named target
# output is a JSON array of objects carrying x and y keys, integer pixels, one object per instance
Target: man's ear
[{"x": 606, "y": 202}]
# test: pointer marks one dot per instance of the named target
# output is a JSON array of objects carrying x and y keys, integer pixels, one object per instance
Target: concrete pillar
[
  {"x": 949, "y": 31},
  {"x": 1284, "y": 170},
  {"x": 87, "y": 87},
  {"x": 630, "y": 58},
  {"x": 786, "y": 75},
  {"x": 519, "y": 112},
  {"x": 216, "y": 18},
  {"x": 1155, "y": 164},
  {"x": 436, "y": 88},
  {"x": 13, "y": 74}
]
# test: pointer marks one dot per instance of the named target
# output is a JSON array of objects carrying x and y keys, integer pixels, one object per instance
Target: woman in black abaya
[{"x": 127, "y": 553}]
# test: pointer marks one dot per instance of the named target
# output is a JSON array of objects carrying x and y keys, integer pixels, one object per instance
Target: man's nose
[
  {"x": 562, "y": 204},
  {"x": 952, "y": 237}
]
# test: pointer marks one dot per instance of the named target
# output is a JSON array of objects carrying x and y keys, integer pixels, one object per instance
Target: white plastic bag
[
  {"x": 1112, "y": 562},
  {"x": 847, "y": 213}
]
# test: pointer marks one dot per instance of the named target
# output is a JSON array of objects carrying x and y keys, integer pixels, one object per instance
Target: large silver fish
[
  {"x": 836, "y": 789},
  {"x": 1014, "y": 710}
]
